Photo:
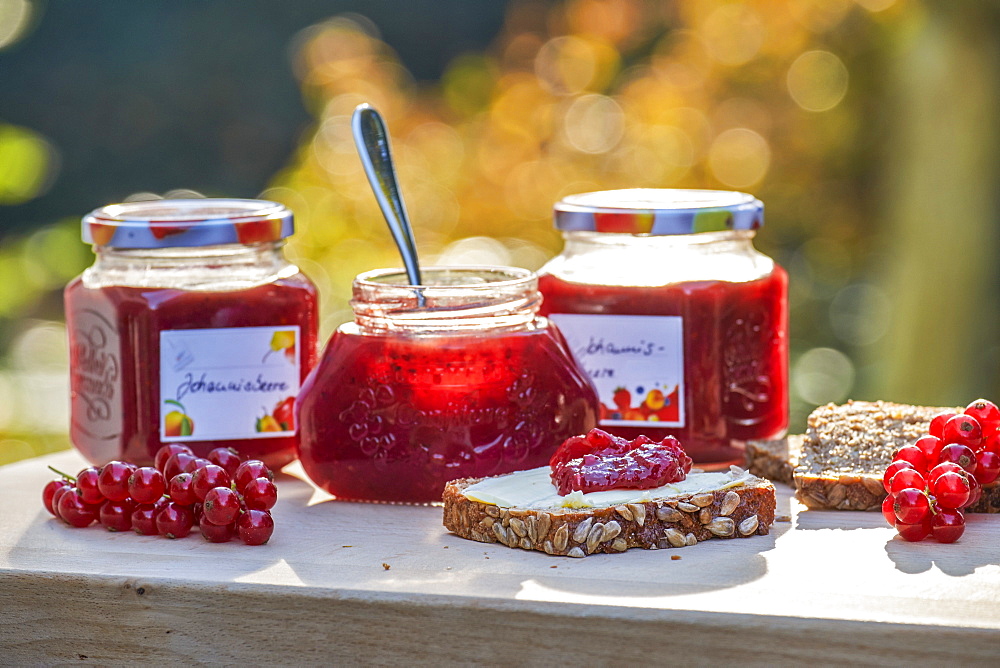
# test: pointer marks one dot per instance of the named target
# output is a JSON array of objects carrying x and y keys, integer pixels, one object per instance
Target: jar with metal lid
[
  {"x": 681, "y": 324},
  {"x": 455, "y": 378},
  {"x": 190, "y": 327}
]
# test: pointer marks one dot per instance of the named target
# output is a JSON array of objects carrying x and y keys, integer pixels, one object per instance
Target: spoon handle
[{"x": 372, "y": 141}]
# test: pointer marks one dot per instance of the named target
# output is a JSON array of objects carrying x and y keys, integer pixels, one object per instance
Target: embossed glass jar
[
  {"x": 190, "y": 327},
  {"x": 680, "y": 322},
  {"x": 457, "y": 378}
]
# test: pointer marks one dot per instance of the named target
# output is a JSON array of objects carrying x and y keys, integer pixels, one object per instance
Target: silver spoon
[{"x": 372, "y": 141}]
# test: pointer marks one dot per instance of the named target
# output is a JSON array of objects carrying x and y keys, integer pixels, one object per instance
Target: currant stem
[{"x": 64, "y": 475}]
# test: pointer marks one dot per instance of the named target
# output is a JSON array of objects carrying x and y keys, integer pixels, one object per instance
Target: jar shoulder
[{"x": 652, "y": 266}]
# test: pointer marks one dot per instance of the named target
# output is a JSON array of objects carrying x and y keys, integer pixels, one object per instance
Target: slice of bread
[
  {"x": 775, "y": 459},
  {"x": 847, "y": 448},
  {"x": 737, "y": 510}
]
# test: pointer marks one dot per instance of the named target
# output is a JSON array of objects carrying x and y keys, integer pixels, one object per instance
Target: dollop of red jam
[{"x": 598, "y": 461}]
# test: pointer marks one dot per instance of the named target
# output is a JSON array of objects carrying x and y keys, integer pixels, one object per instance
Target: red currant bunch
[
  {"x": 932, "y": 481},
  {"x": 222, "y": 494}
]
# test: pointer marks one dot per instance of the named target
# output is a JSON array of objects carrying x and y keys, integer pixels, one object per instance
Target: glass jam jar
[
  {"x": 457, "y": 378},
  {"x": 681, "y": 324},
  {"x": 190, "y": 327}
]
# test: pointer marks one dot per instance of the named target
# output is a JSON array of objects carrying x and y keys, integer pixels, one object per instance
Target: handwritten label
[
  {"x": 223, "y": 384},
  {"x": 636, "y": 363}
]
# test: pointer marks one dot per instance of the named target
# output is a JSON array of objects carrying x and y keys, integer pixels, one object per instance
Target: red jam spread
[
  {"x": 735, "y": 359},
  {"x": 393, "y": 418},
  {"x": 598, "y": 461},
  {"x": 115, "y": 360}
]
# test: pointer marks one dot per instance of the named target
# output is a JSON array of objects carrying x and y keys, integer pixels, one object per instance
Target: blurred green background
[{"x": 868, "y": 127}]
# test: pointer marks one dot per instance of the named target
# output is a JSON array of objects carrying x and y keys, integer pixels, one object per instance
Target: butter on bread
[{"x": 739, "y": 507}]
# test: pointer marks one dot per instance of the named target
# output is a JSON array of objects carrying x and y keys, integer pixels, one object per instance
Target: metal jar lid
[
  {"x": 171, "y": 223},
  {"x": 659, "y": 211}
]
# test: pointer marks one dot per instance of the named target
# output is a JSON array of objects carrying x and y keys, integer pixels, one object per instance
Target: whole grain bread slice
[
  {"x": 740, "y": 511},
  {"x": 847, "y": 448},
  {"x": 774, "y": 459}
]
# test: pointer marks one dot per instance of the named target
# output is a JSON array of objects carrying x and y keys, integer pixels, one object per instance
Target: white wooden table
[{"x": 343, "y": 583}]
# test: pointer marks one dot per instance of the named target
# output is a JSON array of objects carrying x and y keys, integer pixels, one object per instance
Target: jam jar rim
[{"x": 512, "y": 302}]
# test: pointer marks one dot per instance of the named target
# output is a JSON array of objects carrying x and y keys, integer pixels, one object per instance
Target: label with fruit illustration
[
  {"x": 222, "y": 384},
  {"x": 636, "y": 363}
]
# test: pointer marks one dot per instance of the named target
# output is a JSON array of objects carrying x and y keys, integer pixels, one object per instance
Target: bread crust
[{"x": 677, "y": 521}]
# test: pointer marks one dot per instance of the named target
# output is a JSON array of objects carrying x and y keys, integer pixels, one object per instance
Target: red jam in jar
[
  {"x": 457, "y": 378},
  {"x": 680, "y": 323},
  {"x": 191, "y": 327}
]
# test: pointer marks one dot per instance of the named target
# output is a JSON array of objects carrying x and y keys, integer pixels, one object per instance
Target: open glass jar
[
  {"x": 190, "y": 327},
  {"x": 457, "y": 378},
  {"x": 680, "y": 322}
]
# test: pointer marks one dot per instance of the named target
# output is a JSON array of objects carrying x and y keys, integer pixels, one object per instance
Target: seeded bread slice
[
  {"x": 775, "y": 459},
  {"x": 737, "y": 512},
  {"x": 847, "y": 448}
]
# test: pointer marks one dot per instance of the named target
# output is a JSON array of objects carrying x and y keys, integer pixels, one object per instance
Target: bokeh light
[
  {"x": 28, "y": 164},
  {"x": 15, "y": 19},
  {"x": 817, "y": 80}
]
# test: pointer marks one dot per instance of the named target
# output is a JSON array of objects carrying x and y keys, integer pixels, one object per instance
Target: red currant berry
[
  {"x": 144, "y": 519},
  {"x": 166, "y": 452},
  {"x": 992, "y": 444},
  {"x": 255, "y": 527},
  {"x": 931, "y": 446},
  {"x": 116, "y": 515},
  {"x": 912, "y": 454},
  {"x": 987, "y": 466},
  {"x": 249, "y": 470},
  {"x": 959, "y": 454},
  {"x": 936, "y": 427},
  {"x": 914, "y": 532},
  {"x": 198, "y": 463},
  {"x": 74, "y": 510},
  {"x": 951, "y": 490},
  {"x": 179, "y": 489},
  {"x": 986, "y": 413},
  {"x": 86, "y": 482},
  {"x": 49, "y": 491},
  {"x": 911, "y": 506},
  {"x": 58, "y": 494},
  {"x": 963, "y": 429},
  {"x": 947, "y": 526},
  {"x": 207, "y": 478},
  {"x": 227, "y": 458},
  {"x": 216, "y": 533},
  {"x": 260, "y": 494},
  {"x": 906, "y": 478},
  {"x": 942, "y": 468},
  {"x": 888, "y": 512},
  {"x": 113, "y": 480},
  {"x": 222, "y": 506},
  {"x": 180, "y": 462},
  {"x": 975, "y": 491},
  {"x": 893, "y": 469},
  {"x": 146, "y": 485},
  {"x": 174, "y": 520}
]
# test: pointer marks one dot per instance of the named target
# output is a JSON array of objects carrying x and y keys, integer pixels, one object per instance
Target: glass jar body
[
  {"x": 471, "y": 383},
  {"x": 682, "y": 334},
  {"x": 197, "y": 345}
]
